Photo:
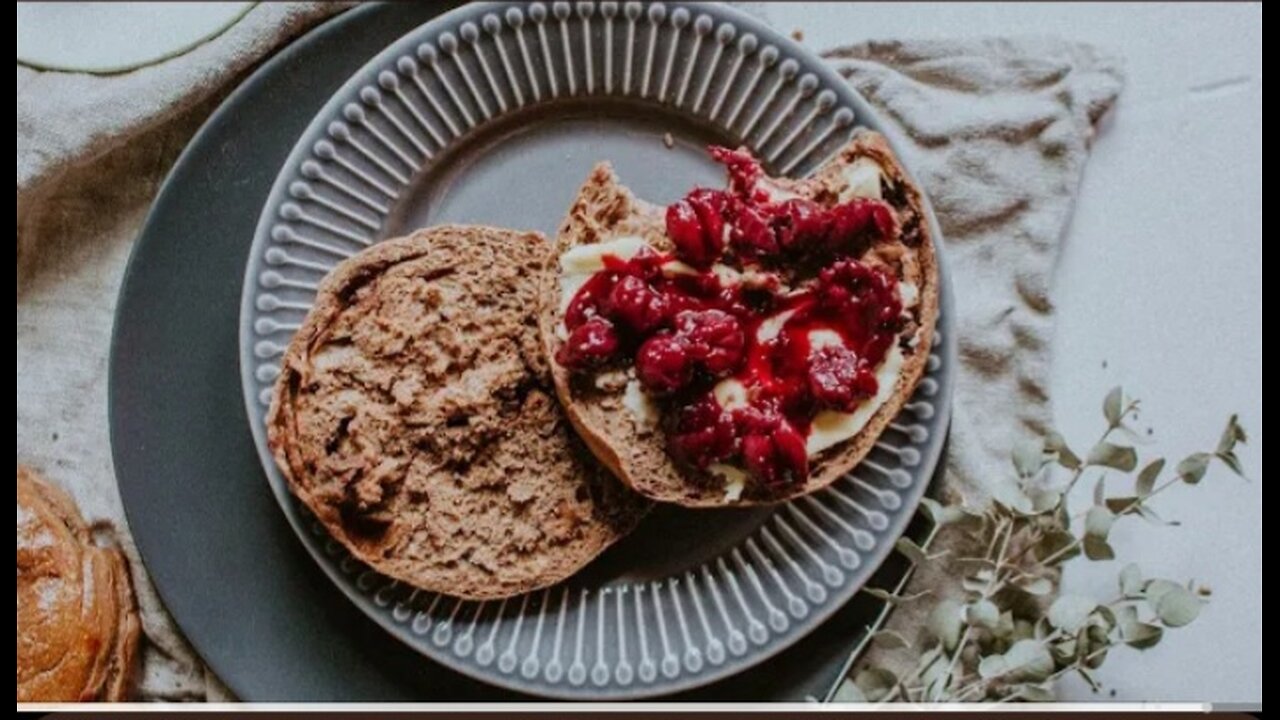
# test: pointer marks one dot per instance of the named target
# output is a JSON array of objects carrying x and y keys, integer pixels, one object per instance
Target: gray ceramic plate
[{"x": 495, "y": 114}]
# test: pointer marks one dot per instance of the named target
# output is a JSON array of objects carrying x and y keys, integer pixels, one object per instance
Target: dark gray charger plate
[{"x": 225, "y": 561}]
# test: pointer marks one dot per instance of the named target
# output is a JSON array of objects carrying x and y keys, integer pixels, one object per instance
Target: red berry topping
[
  {"x": 714, "y": 337},
  {"x": 590, "y": 344},
  {"x": 663, "y": 364},
  {"x": 696, "y": 226},
  {"x": 636, "y": 305},
  {"x": 703, "y": 433},
  {"x": 801, "y": 225},
  {"x": 859, "y": 223},
  {"x": 587, "y": 300},
  {"x": 778, "y": 458},
  {"x": 837, "y": 380}
]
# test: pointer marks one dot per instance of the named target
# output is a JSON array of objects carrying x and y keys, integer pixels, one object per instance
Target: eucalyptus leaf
[
  {"x": 1054, "y": 443},
  {"x": 875, "y": 683},
  {"x": 942, "y": 514},
  {"x": 1028, "y": 457},
  {"x": 992, "y": 666},
  {"x": 1054, "y": 541},
  {"x": 1097, "y": 522},
  {"x": 1229, "y": 459},
  {"x": 1193, "y": 466},
  {"x": 946, "y": 623},
  {"x": 890, "y": 640},
  {"x": 1177, "y": 607},
  {"x": 1125, "y": 505},
  {"x": 1131, "y": 581},
  {"x": 849, "y": 692},
  {"x": 1096, "y": 548},
  {"x": 1069, "y": 613},
  {"x": 1231, "y": 435},
  {"x": 1143, "y": 636},
  {"x": 1155, "y": 588},
  {"x": 1146, "y": 480},
  {"x": 1028, "y": 660},
  {"x": 1035, "y": 692},
  {"x": 1037, "y": 585},
  {"x": 1100, "y": 490},
  {"x": 982, "y": 613},
  {"x": 1113, "y": 406},
  {"x": 914, "y": 552},
  {"x": 1119, "y": 457}
]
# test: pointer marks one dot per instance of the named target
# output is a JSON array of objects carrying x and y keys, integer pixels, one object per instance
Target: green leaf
[
  {"x": 1119, "y": 457},
  {"x": 1177, "y": 607},
  {"x": 1069, "y": 613},
  {"x": 1055, "y": 541},
  {"x": 1231, "y": 435},
  {"x": 1113, "y": 406},
  {"x": 1192, "y": 467},
  {"x": 1142, "y": 636},
  {"x": 1229, "y": 459},
  {"x": 992, "y": 666},
  {"x": 982, "y": 613},
  {"x": 1056, "y": 444},
  {"x": 914, "y": 552},
  {"x": 1128, "y": 505},
  {"x": 1147, "y": 477},
  {"x": 1039, "y": 586},
  {"x": 1096, "y": 548},
  {"x": 1131, "y": 581},
  {"x": 1028, "y": 457},
  {"x": 943, "y": 514},
  {"x": 1097, "y": 522},
  {"x": 890, "y": 639},
  {"x": 849, "y": 692},
  {"x": 1028, "y": 660},
  {"x": 1157, "y": 587},
  {"x": 875, "y": 683},
  {"x": 946, "y": 622},
  {"x": 1035, "y": 692},
  {"x": 1100, "y": 490}
]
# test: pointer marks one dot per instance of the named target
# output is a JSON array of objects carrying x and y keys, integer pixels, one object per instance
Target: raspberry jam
[{"x": 763, "y": 315}]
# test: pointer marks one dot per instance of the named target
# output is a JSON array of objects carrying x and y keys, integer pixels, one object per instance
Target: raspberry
[
  {"x": 800, "y": 224},
  {"x": 778, "y": 458},
  {"x": 636, "y": 305},
  {"x": 744, "y": 170},
  {"x": 590, "y": 344},
  {"x": 714, "y": 337},
  {"x": 587, "y": 300},
  {"x": 703, "y": 433},
  {"x": 859, "y": 223},
  {"x": 752, "y": 235},
  {"x": 866, "y": 297},
  {"x": 663, "y": 364},
  {"x": 837, "y": 379},
  {"x": 696, "y": 226}
]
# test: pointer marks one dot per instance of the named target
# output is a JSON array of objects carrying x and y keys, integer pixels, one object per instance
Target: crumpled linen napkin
[{"x": 997, "y": 131}]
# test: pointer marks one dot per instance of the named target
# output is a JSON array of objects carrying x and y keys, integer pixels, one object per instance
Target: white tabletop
[{"x": 1160, "y": 290}]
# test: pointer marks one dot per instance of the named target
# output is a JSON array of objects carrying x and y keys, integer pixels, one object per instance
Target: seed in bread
[
  {"x": 78, "y": 626},
  {"x": 771, "y": 331},
  {"x": 414, "y": 416}
]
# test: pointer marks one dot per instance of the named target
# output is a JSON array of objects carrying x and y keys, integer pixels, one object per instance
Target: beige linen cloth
[{"x": 997, "y": 131}]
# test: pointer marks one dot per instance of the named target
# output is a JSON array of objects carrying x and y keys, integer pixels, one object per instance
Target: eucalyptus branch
[{"x": 1012, "y": 636}]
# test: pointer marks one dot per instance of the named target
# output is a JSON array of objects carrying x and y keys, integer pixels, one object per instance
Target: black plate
[{"x": 222, "y": 556}]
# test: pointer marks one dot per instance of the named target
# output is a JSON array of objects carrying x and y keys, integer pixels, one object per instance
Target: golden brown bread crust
[
  {"x": 413, "y": 416},
  {"x": 78, "y": 626},
  {"x": 604, "y": 209}
]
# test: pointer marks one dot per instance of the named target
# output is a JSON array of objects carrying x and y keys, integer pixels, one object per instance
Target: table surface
[{"x": 1159, "y": 289}]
